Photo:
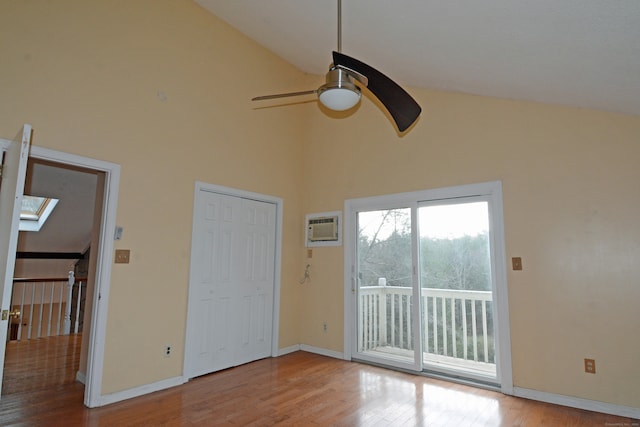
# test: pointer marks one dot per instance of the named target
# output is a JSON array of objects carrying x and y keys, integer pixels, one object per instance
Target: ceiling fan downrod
[{"x": 339, "y": 25}]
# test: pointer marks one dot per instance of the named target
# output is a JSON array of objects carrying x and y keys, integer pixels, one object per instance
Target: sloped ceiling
[
  {"x": 68, "y": 228},
  {"x": 583, "y": 53}
]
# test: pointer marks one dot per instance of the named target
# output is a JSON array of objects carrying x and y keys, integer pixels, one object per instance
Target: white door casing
[
  {"x": 93, "y": 396},
  {"x": 234, "y": 279},
  {"x": 14, "y": 171}
]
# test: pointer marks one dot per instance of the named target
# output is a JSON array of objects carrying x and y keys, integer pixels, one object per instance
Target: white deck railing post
[{"x": 382, "y": 310}]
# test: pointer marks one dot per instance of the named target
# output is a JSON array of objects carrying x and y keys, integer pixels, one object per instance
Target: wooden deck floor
[{"x": 299, "y": 389}]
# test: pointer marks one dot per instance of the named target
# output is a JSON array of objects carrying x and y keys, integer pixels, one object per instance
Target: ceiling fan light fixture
[{"x": 339, "y": 93}]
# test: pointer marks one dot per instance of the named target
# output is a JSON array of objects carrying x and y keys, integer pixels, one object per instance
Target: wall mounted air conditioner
[{"x": 324, "y": 229}]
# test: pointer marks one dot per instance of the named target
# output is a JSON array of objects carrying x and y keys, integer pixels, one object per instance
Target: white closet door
[
  {"x": 255, "y": 284},
  {"x": 232, "y": 283}
]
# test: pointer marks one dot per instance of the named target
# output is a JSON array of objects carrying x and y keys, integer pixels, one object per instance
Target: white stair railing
[{"x": 43, "y": 307}]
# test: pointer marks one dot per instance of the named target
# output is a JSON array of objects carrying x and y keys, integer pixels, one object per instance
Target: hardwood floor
[
  {"x": 299, "y": 389},
  {"x": 41, "y": 363}
]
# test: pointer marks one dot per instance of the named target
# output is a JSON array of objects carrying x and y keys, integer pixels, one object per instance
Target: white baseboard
[
  {"x": 322, "y": 351},
  {"x": 81, "y": 377},
  {"x": 118, "y": 396},
  {"x": 576, "y": 402},
  {"x": 288, "y": 350}
]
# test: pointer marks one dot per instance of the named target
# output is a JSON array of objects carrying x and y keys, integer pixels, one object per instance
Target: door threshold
[{"x": 473, "y": 382}]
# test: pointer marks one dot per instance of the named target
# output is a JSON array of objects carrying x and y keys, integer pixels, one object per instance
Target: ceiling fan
[{"x": 340, "y": 92}]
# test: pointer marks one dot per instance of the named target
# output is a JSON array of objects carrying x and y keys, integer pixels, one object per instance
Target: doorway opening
[
  {"x": 108, "y": 178},
  {"x": 49, "y": 311}
]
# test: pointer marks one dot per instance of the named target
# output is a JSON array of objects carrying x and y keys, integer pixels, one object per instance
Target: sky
[{"x": 435, "y": 221}]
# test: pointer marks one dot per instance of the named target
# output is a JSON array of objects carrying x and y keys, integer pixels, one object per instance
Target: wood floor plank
[{"x": 299, "y": 389}]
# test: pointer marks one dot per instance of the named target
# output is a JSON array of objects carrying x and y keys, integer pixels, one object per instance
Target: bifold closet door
[{"x": 232, "y": 284}]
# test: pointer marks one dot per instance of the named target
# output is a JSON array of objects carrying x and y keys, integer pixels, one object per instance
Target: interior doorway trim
[{"x": 95, "y": 357}]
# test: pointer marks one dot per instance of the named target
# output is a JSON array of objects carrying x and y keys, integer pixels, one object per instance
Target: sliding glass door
[
  {"x": 424, "y": 271},
  {"x": 456, "y": 287},
  {"x": 385, "y": 313}
]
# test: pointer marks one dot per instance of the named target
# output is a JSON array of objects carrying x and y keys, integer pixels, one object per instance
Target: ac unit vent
[{"x": 323, "y": 229}]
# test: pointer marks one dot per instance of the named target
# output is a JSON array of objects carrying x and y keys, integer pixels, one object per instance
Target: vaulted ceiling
[{"x": 583, "y": 53}]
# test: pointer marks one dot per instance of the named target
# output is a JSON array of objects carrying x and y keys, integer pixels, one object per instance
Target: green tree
[
  {"x": 457, "y": 263},
  {"x": 386, "y": 255}
]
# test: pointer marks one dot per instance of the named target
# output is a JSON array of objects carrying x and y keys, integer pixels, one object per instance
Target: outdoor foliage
[
  {"x": 460, "y": 263},
  {"x": 454, "y": 263}
]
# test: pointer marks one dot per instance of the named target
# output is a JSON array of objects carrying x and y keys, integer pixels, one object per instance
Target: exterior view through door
[{"x": 425, "y": 280}]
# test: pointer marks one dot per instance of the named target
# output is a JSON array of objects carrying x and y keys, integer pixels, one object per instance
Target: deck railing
[
  {"x": 45, "y": 307},
  {"x": 454, "y": 323}
]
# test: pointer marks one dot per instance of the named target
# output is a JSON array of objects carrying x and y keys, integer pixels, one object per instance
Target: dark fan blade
[
  {"x": 284, "y": 95},
  {"x": 402, "y": 107}
]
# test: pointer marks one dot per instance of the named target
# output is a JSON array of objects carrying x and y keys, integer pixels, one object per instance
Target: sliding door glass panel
[
  {"x": 385, "y": 309},
  {"x": 456, "y": 288}
]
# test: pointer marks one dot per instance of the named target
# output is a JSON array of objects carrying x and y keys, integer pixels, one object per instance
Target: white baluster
[
  {"x": 434, "y": 308},
  {"x": 409, "y": 322},
  {"x": 474, "y": 330},
  {"x": 393, "y": 320},
  {"x": 61, "y": 299},
  {"x": 33, "y": 299},
  {"x": 454, "y": 345},
  {"x": 24, "y": 285},
  {"x": 445, "y": 349},
  {"x": 78, "y": 307},
  {"x": 41, "y": 309},
  {"x": 464, "y": 329},
  {"x": 402, "y": 316},
  {"x": 425, "y": 319},
  {"x": 53, "y": 285},
  {"x": 484, "y": 331}
]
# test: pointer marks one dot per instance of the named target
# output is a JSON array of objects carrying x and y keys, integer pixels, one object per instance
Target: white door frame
[
  {"x": 95, "y": 359},
  {"x": 203, "y": 186},
  {"x": 493, "y": 191}
]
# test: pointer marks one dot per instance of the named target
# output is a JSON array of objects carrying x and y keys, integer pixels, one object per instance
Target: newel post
[{"x": 67, "y": 308}]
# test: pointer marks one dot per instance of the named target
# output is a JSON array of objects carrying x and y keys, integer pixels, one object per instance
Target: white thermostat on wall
[{"x": 324, "y": 229}]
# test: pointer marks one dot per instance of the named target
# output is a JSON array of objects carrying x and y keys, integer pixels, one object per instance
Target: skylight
[{"x": 35, "y": 211}]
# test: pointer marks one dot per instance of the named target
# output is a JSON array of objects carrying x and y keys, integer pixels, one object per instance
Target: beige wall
[
  {"x": 571, "y": 190},
  {"x": 87, "y": 76}
]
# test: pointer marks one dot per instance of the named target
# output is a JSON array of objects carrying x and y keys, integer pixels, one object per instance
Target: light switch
[
  {"x": 516, "y": 263},
  {"x": 122, "y": 256}
]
